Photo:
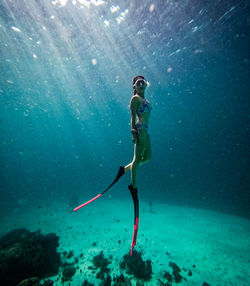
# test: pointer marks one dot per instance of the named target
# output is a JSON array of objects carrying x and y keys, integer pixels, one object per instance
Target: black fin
[
  {"x": 134, "y": 195},
  {"x": 120, "y": 173}
]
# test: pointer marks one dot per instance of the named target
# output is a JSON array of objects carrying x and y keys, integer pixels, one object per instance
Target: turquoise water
[{"x": 65, "y": 86}]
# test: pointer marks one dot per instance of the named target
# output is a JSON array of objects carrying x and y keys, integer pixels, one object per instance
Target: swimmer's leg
[
  {"x": 133, "y": 192},
  {"x": 147, "y": 152},
  {"x": 133, "y": 166}
]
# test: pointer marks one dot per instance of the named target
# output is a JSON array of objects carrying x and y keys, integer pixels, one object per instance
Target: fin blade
[
  {"x": 88, "y": 202},
  {"x": 134, "y": 235}
]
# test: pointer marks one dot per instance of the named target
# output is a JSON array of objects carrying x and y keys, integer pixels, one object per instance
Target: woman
[{"x": 140, "y": 109}]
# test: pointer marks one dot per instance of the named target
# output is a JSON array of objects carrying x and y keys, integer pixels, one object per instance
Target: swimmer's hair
[{"x": 134, "y": 81}]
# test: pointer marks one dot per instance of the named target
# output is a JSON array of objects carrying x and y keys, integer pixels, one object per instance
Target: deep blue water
[{"x": 65, "y": 86}]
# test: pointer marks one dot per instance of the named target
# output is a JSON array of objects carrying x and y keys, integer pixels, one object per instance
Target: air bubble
[
  {"x": 151, "y": 8},
  {"x": 94, "y": 61}
]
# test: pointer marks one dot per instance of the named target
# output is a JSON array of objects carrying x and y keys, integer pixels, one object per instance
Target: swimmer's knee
[{"x": 145, "y": 160}]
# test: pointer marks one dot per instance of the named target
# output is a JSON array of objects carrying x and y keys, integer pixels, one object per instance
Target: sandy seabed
[{"x": 214, "y": 246}]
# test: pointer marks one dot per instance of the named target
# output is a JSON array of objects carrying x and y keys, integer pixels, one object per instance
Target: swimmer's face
[{"x": 140, "y": 85}]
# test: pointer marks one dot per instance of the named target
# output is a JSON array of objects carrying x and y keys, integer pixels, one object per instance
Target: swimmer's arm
[{"x": 133, "y": 109}]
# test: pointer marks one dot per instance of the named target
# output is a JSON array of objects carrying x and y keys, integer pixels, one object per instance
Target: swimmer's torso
[{"x": 143, "y": 110}]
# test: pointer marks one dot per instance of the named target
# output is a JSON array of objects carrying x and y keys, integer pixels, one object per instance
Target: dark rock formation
[
  {"x": 25, "y": 254},
  {"x": 68, "y": 273},
  {"x": 107, "y": 281},
  {"x": 176, "y": 272},
  {"x": 175, "y": 277},
  {"x": 101, "y": 262},
  {"x": 70, "y": 254},
  {"x": 175, "y": 267},
  {"x": 168, "y": 276},
  {"x": 121, "y": 281},
  {"x": 136, "y": 266}
]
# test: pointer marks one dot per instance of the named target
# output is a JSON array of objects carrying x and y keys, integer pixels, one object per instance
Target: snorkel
[{"x": 139, "y": 81}]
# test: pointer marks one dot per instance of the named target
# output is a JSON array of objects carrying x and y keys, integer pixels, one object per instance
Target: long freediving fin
[
  {"x": 120, "y": 173},
  {"x": 133, "y": 192}
]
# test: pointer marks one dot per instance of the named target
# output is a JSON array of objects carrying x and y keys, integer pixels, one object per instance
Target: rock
[
  {"x": 168, "y": 276},
  {"x": 175, "y": 267},
  {"x": 27, "y": 254},
  {"x": 70, "y": 254},
  {"x": 101, "y": 262},
  {"x": 136, "y": 266},
  {"x": 121, "y": 281},
  {"x": 177, "y": 277},
  {"x": 106, "y": 281},
  {"x": 100, "y": 275},
  {"x": 68, "y": 273},
  {"x": 176, "y": 272}
]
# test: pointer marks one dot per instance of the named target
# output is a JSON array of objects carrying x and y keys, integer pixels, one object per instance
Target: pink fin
[
  {"x": 88, "y": 202},
  {"x": 134, "y": 235}
]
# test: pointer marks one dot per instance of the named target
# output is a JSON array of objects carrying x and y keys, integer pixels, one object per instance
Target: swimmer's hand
[{"x": 134, "y": 137}]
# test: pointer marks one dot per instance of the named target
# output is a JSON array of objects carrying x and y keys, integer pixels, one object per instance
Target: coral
[
  {"x": 175, "y": 267},
  {"x": 68, "y": 272},
  {"x": 176, "y": 272},
  {"x": 100, "y": 275},
  {"x": 101, "y": 262},
  {"x": 121, "y": 281},
  {"x": 76, "y": 259},
  {"x": 176, "y": 276},
  {"x": 168, "y": 276},
  {"x": 106, "y": 281},
  {"x": 25, "y": 254},
  {"x": 136, "y": 266},
  {"x": 81, "y": 255},
  {"x": 70, "y": 254}
]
